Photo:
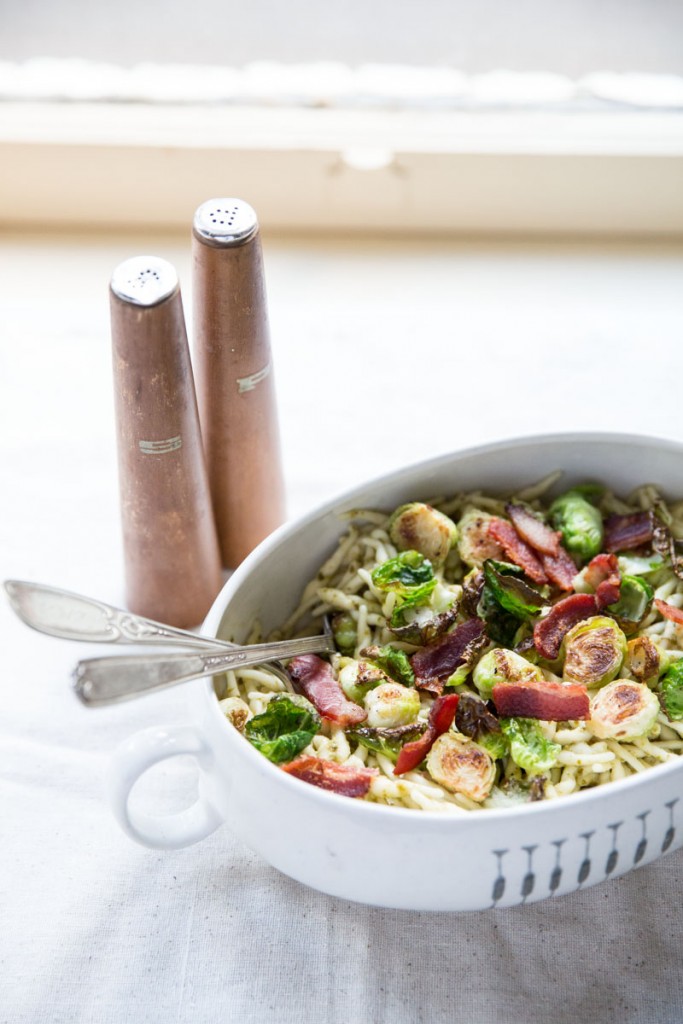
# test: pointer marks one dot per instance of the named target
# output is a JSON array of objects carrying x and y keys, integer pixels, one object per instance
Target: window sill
[{"x": 106, "y": 165}]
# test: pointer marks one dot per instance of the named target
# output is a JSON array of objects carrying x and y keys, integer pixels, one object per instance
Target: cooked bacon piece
[
  {"x": 315, "y": 679},
  {"x": 550, "y": 631},
  {"x": 602, "y": 574},
  {"x": 622, "y": 533},
  {"x": 560, "y": 568},
  {"x": 547, "y": 700},
  {"x": 441, "y": 717},
  {"x": 337, "y": 778},
  {"x": 435, "y": 663},
  {"x": 669, "y": 611},
  {"x": 517, "y": 550},
  {"x": 533, "y": 531}
]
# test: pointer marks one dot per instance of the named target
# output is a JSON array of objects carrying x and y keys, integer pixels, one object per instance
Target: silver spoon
[{"x": 100, "y": 681}]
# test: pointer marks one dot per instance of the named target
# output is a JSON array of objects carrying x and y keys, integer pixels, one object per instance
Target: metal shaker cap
[
  {"x": 225, "y": 222},
  {"x": 144, "y": 280}
]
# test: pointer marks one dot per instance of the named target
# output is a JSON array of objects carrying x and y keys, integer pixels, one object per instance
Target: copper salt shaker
[
  {"x": 234, "y": 374},
  {"x": 171, "y": 555}
]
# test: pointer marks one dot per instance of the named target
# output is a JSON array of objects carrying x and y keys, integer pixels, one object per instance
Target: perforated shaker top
[
  {"x": 144, "y": 280},
  {"x": 225, "y": 222}
]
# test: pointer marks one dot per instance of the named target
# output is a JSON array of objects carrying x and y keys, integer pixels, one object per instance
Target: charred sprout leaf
[
  {"x": 472, "y": 586},
  {"x": 404, "y": 574},
  {"x": 420, "y": 527},
  {"x": 473, "y": 719},
  {"x": 288, "y": 724},
  {"x": 392, "y": 661},
  {"x": 529, "y": 748},
  {"x": 624, "y": 710},
  {"x": 344, "y": 632},
  {"x": 358, "y": 677},
  {"x": 665, "y": 544},
  {"x": 423, "y": 627},
  {"x": 635, "y": 601},
  {"x": 392, "y": 704},
  {"x": 515, "y": 791},
  {"x": 503, "y": 666},
  {"x": 671, "y": 686},
  {"x": 461, "y": 766},
  {"x": 511, "y": 592},
  {"x": 579, "y": 522},
  {"x": 387, "y": 741}
]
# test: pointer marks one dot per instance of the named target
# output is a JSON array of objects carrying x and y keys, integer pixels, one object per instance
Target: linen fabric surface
[{"x": 95, "y": 929}]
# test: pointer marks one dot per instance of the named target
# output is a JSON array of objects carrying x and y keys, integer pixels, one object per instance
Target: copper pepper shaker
[
  {"x": 171, "y": 554},
  {"x": 234, "y": 374}
]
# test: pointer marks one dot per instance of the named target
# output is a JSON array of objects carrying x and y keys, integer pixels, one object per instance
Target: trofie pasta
[{"x": 490, "y": 651}]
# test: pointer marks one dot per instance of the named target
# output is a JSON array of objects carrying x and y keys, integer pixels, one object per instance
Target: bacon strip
[
  {"x": 560, "y": 568},
  {"x": 550, "y": 631},
  {"x": 435, "y": 663},
  {"x": 315, "y": 679},
  {"x": 546, "y": 700},
  {"x": 336, "y": 778},
  {"x": 441, "y": 717},
  {"x": 669, "y": 611},
  {"x": 517, "y": 550},
  {"x": 533, "y": 531},
  {"x": 602, "y": 574},
  {"x": 622, "y": 533}
]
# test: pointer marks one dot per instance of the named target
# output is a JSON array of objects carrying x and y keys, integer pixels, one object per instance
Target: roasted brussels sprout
[
  {"x": 420, "y": 527},
  {"x": 474, "y": 543},
  {"x": 345, "y": 632},
  {"x": 672, "y": 691},
  {"x": 461, "y": 766},
  {"x": 623, "y": 710},
  {"x": 645, "y": 659},
  {"x": 635, "y": 601},
  {"x": 579, "y": 522},
  {"x": 236, "y": 711},
  {"x": 529, "y": 747},
  {"x": 594, "y": 651},
  {"x": 502, "y": 666},
  {"x": 356, "y": 678},
  {"x": 390, "y": 705}
]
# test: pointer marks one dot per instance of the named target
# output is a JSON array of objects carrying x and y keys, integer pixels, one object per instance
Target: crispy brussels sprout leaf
[
  {"x": 391, "y": 660},
  {"x": 288, "y": 724},
  {"x": 635, "y": 601},
  {"x": 404, "y": 574},
  {"x": 671, "y": 687},
  {"x": 579, "y": 522},
  {"x": 529, "y": 748},
  {"x": 511, "y": 592},
  {"x": 473, "y": 719},
  {"x": 387, "y": 741}
]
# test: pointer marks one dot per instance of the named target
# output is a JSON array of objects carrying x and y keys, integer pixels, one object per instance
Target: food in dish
[{"x": 490, "y": 651}]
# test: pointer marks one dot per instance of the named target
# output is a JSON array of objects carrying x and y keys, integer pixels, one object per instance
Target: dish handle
[{"x": 137, "y": 755}]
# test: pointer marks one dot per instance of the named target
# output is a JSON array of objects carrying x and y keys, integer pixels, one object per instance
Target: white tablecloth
[{"x": 384, "y": 354}]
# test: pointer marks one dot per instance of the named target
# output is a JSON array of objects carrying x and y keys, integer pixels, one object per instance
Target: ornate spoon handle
[{"x": 99, "y": 681}]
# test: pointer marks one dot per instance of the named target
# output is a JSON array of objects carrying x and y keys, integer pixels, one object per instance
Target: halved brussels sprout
[
  {"x": 356, "y": 678},
  {"x": 474, "y": 543},
  {"x": 236, "y": 711},
  {"x": 461, "y": 766},
  {"x": 390, "y": 705},
  {"x": 623, "y": 710},
  {"x": 579, "y": 522},
  {"x": 345, "y": 632},
  {"x": 422, "y": 528},
  {"x": 502, "y": 666},
  {"x": 594, "y": 651},
  {"x": 645, "y": 659}
]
